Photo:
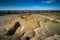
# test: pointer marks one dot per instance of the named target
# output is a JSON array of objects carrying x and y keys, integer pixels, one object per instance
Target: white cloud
[{"x": 48, "y": 1}]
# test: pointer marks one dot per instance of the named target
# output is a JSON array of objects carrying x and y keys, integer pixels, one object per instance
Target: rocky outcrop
[
  {"x": 30, "y": 27},
  {"x": 47, "y": 29}
]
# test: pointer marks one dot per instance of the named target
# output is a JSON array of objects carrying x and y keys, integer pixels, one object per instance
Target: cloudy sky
[{"x": 29, "y": 4}]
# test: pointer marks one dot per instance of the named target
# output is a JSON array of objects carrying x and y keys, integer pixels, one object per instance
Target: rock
[
  {"x": 47, "y": 29},
  {"x": 19, "y": 32},
  {"x": 26, "y": 38},
  {"x": 30, "y": 28},
  {"x": 35, "y": 38},
  {"x": 2, "y": 30},
  {"x": 13, "y": 29},
  {"x": 55, "y": 37},
  {"x": 29, "y": 34},
  {"x": 4, "y": 37},
  {"x": 14, "y": 37}
]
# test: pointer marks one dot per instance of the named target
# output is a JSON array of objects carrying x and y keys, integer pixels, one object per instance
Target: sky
[{"x": 29, "y": 4}]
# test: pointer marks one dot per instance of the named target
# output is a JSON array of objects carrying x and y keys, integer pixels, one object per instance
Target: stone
[
  {"x": 13, "y": 29},
  {"x": 54, "y": 37},
  {"x": 26, "y": 38}
]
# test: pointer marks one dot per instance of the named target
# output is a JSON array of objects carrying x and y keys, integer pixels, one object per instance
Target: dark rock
[
  {"x": 26, "y": 38},
  {"x": 12, "y": 30}
]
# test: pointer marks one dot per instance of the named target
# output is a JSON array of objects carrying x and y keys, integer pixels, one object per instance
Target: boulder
[{"x": 13, "y": 29}]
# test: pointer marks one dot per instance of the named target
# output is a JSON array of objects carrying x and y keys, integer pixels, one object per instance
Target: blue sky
[{"x": 29, "y": 4}]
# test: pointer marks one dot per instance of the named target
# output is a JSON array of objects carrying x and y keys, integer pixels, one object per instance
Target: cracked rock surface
[{"x": 30, "y": 27}]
